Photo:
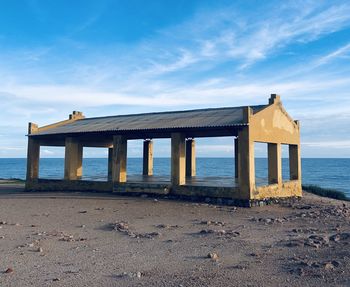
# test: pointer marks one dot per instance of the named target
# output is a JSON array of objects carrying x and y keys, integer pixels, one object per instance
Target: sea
[{"x": 325, "y": 172}]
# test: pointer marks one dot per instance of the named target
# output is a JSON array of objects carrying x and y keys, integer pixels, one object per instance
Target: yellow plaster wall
[{"x": 274, "y": 125}]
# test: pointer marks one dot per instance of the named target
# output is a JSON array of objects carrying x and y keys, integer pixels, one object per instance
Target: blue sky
[{"x": 118, "y": 57}]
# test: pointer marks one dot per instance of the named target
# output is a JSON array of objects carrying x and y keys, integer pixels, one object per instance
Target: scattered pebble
[
  {"x": 9, "y": 270},
  {"x": 213, "y": 256}
]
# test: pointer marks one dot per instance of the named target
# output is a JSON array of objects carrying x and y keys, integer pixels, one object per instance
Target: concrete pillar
[
  {"x": 294, "y": 162},
  {"x": 33, "y": 156},
  {"x": 110, "y": 163},
  {"x": 190, "y": 157},
  {"x": 236, "y": 148},
  {"x": 178, "y": 147},
  {"x": 274, "y": 163},
  {"x": 246, "y": 173},
  {"x": 147, "y": 157},
  {"x": 119, "y": 159},
  {"x": 73, "y": 159}
]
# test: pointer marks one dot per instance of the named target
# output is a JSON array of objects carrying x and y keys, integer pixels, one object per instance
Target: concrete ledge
[
  {"x": 290, "y": 188},
  {"x": 206, "y": 191},
  {"x": 68, "y": 185},
  {"x": 207, "y": 194},
  {"x": 147, "y": 188}
]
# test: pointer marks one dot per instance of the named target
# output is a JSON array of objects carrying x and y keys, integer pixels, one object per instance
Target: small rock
[
  {"x": 9, "y": 270},
  {"x": 213, "y": 256},
  {"x": 56, "y": 279},
  {"x": 40, "y": 250},
  {"x": 83, "y": 226},
  {"x": 2, "y": 237},
  {"x": 83, "y": 211},
  {"x": 328, "y": 266},
  {"x": 335, "y": 263}
]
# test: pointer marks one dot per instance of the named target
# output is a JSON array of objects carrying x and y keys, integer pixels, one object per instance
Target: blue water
[{"x": 330, "y": 172}]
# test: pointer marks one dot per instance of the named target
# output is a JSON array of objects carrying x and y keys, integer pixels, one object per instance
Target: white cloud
[
  {"x": 341, "y": 144},
  {"x": 200, "y": 63}
]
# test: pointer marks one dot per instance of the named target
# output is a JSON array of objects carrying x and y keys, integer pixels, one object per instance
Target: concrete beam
[
  {"x": 147, "y": 157},
  {"x": 73, "y": 159},
  {"x": 33, "y": 156},
  {"x": 190, "y": 157},
  {"x": 274, "y": 163},
  {"x": 119, "y": 158},
  {"x": 246, "y": 177},
  {"x": 294, "y": 162},
  {"x": 178, "y": 147}
]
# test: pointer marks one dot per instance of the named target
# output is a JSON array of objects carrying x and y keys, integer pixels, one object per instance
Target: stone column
[
  {"x": 294, "y": 162},
  {"x": 236, "y": 148},
  {"x": 119, "y": 159},
  {"x": 73, "y": 159},
  {"x": 178, "y": 173},
  {"x": 147, "y": 157},
  {"x": 33, "y": 156},
  {"x": 274, "y": 163},
  {"x": 190, "y": 157},
  {"x": 110, "y": 163}
]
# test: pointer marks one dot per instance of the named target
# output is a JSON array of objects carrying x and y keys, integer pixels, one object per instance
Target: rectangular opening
[
  {"x": 51, "y": 162},
  {"x": 261, "y": 164},
  {"x": 285, "y": 162},
  {"x": 95, "y": 164},
  {"x": 214, "y": 162}
]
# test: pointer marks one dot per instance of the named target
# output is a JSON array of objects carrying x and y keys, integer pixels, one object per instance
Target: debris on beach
[
  {"x": 123, "y": 227},
  {"x": 137, "y": 274},
  {"x": 166, "y": 226},
  {"x": 9, "y": 270},
  {"x": 220, "y": 232},
  {"x": 209, "y": 222},
  {"x": 213, "y": 256},
  {"x": 340, "y": 237}
]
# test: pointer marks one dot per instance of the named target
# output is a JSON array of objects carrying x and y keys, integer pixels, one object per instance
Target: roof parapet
[
  {"x": 75, "y": 115},
  {"x": 247, "y": 113},
  {"x": 274, "y": 99},
  {"x": 32, "y": 128}
]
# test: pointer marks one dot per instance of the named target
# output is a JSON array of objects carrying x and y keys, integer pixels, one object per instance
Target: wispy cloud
[
  {"x": 219, "y": 57},
  {"x": 333, "y": 55}
]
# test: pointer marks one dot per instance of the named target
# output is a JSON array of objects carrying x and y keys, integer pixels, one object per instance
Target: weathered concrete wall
[
  {"x": 207, "y": 191},
  {"x": 290, "y": 188},
  {"x": 68, "y": 185},
  {"x": 212, "y": 194},
  {"x": 274, "y": 125}
]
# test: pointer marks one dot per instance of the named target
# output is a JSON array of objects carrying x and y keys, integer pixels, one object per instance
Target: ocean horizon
[{"x": 325, "y": 172}]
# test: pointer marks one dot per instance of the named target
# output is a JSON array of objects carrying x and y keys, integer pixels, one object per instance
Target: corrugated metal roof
[{"x": 203, "y": 118}]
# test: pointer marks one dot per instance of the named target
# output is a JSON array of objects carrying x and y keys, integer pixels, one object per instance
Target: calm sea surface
[{"x": 331, "y": 173}]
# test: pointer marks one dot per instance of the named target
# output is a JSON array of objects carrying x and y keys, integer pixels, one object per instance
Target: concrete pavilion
[{"x": 268, "y": 123}]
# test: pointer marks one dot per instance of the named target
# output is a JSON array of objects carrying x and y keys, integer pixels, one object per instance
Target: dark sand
[{"x": 77, "y": 239}]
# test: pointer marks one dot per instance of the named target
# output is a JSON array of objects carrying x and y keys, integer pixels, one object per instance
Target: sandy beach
[{"x": 87, "y": 239}]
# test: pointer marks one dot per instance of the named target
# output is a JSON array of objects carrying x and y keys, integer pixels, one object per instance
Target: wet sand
[{"x": 87, "y": 239}]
